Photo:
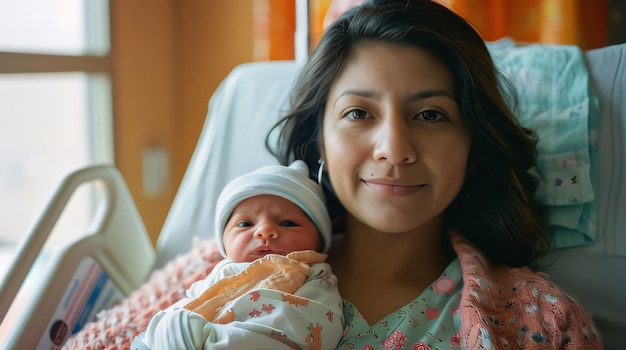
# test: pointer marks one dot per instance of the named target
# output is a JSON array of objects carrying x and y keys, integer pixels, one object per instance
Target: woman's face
[{"x": 394, "y": 141}]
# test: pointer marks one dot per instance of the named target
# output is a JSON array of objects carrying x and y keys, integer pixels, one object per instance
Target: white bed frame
[{"x": 114, "y": 258}]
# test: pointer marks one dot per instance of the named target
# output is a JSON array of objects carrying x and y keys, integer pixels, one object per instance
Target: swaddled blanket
[
  {"x": 554, "y": 99},
  {"x": 275, "y": 302},
  {"x": 281, "y": 273}
]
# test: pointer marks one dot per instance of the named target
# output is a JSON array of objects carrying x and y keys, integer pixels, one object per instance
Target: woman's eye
[
  {"x": 357, "y": 114},
  {"x": 288, "y": 223},
  {"x": 244, "y": 224},
  {"x": 430, "y": 115}
]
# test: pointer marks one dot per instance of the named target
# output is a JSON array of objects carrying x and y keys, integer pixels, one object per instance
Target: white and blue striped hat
[{"x": 291, "y": 183}]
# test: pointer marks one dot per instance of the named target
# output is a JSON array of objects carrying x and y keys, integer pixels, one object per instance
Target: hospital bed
[{"x": 240, "y": 114}]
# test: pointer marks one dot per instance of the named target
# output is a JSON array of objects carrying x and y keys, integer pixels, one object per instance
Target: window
[{"x": 55, "y": 111}]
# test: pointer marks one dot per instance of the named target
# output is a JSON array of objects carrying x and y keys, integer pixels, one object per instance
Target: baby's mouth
[{"x": 263, "y": 251}]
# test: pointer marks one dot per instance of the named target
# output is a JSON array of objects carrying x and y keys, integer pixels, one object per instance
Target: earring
[{"x": 320, "y": 172}]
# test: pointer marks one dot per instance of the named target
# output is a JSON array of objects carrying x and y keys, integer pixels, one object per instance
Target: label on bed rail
[{"x": 89, "y": 291}]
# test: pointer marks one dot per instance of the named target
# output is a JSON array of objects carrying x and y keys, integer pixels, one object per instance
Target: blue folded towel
[{"x": 556, "y": 101}]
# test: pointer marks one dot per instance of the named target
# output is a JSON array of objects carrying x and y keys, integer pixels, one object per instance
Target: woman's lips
[{"x": 390, "y": 189}]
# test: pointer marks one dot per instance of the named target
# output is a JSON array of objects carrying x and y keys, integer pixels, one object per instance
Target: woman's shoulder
[{"x": 517, "y": 305}]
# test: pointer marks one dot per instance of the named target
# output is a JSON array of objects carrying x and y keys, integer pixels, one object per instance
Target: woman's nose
[
  {"x": 394, "y": 142},
  {"x": 266, "y": 231}
]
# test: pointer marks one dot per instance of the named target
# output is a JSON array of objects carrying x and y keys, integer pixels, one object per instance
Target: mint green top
[{"x": 429, "y": 322}]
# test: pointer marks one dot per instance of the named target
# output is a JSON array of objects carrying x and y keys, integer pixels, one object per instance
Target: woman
[{"x": 425, "y": 170}]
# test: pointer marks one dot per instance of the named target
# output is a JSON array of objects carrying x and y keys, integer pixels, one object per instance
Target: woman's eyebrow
[
  {"x": 361, "y": 93},
  {"x": 430, "y": 93},
  {"x": 418, "y": 96}
]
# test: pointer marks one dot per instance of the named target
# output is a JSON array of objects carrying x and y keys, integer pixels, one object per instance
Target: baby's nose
[{"x": 265, "y": 232}]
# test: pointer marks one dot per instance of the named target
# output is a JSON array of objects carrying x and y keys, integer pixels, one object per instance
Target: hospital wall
[{"x": 168, "y": 58}]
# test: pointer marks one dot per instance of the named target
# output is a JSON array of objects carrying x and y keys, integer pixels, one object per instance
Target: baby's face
[{"x": 268, "y": 224}]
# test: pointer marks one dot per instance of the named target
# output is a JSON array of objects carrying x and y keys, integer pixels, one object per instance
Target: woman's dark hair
[{"x": 494, "y": 209}]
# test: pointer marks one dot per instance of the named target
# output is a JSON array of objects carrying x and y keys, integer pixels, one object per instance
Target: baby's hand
[{"x": 308, "y": 256}]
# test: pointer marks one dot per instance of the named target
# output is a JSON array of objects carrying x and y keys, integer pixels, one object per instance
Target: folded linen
[{"x": 554, "y": 98}]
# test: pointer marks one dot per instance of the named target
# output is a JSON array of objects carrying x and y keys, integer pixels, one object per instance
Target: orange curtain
[
  {"x": 574, "y": 22},
  {"x": 317, "y": 12},
  {"x": 274, "y": 27}
]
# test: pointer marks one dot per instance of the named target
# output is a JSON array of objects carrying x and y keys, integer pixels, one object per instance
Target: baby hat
[{"x": 291, "y": 183}]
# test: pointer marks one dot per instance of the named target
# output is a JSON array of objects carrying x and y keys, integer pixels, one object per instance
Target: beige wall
[{"x": 168, "y": 58}]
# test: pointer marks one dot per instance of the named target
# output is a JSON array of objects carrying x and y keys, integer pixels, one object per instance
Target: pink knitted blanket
[{"x": 115, "y": 328}]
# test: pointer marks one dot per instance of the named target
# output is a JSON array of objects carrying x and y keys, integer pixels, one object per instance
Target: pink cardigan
[{"x": 512, "y": 308}]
